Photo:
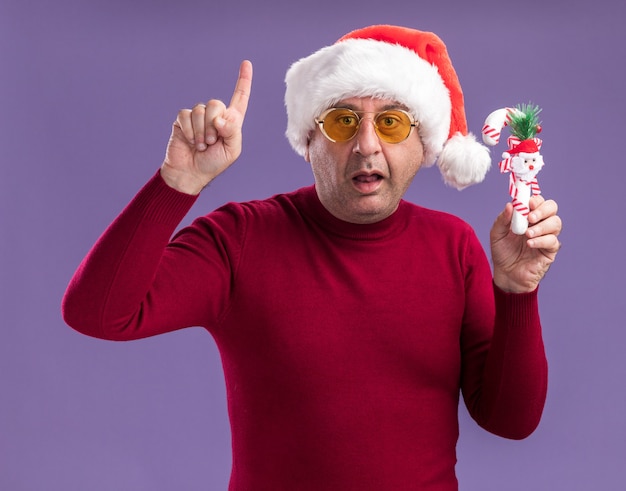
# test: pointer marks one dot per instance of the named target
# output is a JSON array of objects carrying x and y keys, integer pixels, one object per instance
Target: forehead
[{"x": 370, "y": 104}]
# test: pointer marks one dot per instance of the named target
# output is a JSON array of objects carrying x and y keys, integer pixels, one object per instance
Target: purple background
[{"x": 88, "y": 93}]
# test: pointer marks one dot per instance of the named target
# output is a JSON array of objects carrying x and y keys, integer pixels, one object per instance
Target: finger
[
  {"x": 198, "y": 123},
  {"x": 549, "y": 226},
  {"x": 536, "y": 200},
  {"x": 548, "y": 243},
  {"x": 241, "y": 94},
  {"x": 502, "y": 223},
  {"x": 214, "y": 110},
  {"x": 540, "y": 209},
  {"x": 183, "y": 121}
]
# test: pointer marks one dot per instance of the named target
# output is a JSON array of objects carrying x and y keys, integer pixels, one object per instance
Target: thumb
[
  {"x": 228, "y": 125},
  {"x": 229, "y": 132},
  {"x": 502, "y": 223}
]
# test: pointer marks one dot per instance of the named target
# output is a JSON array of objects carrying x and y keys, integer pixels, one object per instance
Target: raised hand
[
  {"x": 521, "y": 261},
  {"x": 206, "y": 139}
]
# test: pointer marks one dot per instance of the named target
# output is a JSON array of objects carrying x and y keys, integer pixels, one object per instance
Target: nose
[
  {"x": 531, "y": 167},
  {"x": 366, "y": 141}
]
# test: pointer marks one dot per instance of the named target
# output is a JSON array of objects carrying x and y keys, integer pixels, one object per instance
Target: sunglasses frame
[{"x": 320, "y": 122}]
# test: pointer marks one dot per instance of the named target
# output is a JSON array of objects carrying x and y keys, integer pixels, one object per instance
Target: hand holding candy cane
[{"x": 521, "y": 262}]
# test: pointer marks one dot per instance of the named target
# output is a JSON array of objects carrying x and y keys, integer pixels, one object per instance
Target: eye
[
  {"x": 347, "y": 120},
  {"x": 388, "y": 121}
]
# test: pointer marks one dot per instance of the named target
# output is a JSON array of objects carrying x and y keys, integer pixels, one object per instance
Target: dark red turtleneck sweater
[{"x": 344, "y": 346}]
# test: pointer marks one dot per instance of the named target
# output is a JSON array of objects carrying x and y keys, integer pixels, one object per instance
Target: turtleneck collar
[{"x": 308, "y": 202}]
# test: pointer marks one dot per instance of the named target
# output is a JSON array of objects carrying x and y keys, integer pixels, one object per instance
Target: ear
[{"x": 307, "y": 157}]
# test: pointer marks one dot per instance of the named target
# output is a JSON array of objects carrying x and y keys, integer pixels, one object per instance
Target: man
[{"x": 347, "y": 319}]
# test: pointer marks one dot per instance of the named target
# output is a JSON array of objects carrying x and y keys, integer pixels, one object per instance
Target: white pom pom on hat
[{"x": 406, "y": 65}]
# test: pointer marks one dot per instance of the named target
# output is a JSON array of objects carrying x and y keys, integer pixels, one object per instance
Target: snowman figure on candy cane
[{"x": 522, "y": 159}]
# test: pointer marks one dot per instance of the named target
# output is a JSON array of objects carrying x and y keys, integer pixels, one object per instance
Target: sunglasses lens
[
  {"x": 341, "y": 124},
  {"x": 393, "y": 126}
]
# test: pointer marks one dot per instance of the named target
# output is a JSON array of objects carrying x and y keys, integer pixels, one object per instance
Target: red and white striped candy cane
[
  {"x": 520, "y": 192},
  {"x": 495, "y": 122},
  {"x": 520, "y": 189},
  {"x": 505, "y": 164}
]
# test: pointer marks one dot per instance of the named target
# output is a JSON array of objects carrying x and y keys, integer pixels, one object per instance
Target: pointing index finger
[{"x": 241, "y": 94}]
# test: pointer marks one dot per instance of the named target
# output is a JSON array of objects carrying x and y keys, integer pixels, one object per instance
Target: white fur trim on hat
[{"x": 367, "y": 68}]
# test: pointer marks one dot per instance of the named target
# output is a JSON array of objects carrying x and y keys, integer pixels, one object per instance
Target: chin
[{"x": 370, "y": 214}]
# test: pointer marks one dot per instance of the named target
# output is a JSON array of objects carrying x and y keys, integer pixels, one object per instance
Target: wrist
[
  {"x": 508, "y": 285},
  {"x": 181, "y": 181}
]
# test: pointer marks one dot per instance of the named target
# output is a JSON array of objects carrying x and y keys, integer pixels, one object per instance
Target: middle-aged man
[{"x": 348, "y": 320}]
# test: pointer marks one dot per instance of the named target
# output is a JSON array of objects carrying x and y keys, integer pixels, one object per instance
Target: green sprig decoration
[{"x": 525, "y": 125}]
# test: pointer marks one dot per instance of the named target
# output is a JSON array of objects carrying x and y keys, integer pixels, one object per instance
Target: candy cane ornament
[
  {"x": 495, "y": 123},
  {"x": 522, "y": 159}
]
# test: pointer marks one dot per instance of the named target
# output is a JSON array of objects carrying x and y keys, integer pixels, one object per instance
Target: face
[
  {"x": 363, "y": 180},
  {"x": 527, "y": 166}
]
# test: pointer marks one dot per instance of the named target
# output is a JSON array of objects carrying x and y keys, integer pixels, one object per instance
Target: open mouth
[
  {"x": 367, "y": 183},
  {"x": 363, "y": 178}
]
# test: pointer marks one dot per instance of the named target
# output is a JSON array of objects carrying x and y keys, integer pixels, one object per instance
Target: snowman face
[
  {"x": 527, "y": 165},
  {"x": 530, "y": 162}
]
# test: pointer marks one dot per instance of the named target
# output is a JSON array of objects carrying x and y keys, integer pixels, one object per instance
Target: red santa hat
[
  {"x": 525, "y": 146},
  {"x": 406, "y": 65}
]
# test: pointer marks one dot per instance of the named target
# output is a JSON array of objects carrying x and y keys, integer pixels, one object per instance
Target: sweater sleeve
[
  {"x": 505, "y": 370},
  {"x": 135, "y": 282}
]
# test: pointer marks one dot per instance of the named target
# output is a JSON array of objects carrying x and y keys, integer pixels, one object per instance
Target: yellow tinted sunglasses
[{"x": 340, "y": 124}]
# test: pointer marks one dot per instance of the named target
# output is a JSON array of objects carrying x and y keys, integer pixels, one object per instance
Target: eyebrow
[{"x": 387, "y": 107}]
